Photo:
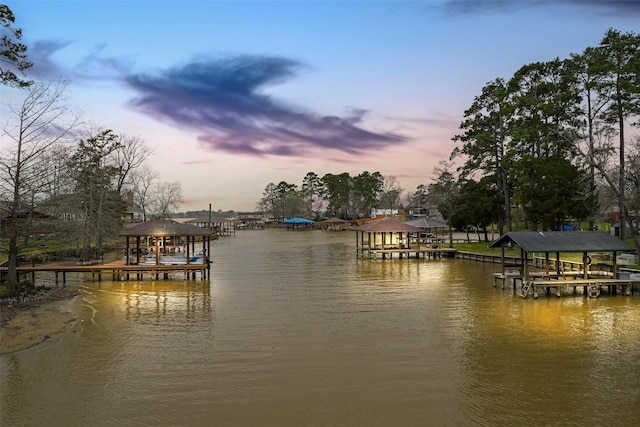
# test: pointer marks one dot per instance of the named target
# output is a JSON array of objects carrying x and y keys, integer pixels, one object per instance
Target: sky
[{"x": 230, "y": 96}]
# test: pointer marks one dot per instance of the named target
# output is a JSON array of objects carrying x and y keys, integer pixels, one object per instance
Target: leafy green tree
[
  {"x": 544, "y": 131},
  {"x": 13, "y": 53},
  {"x": 633, "y": 190},
  {"x": 366, "y": 192},
  {"x": 620, "y": 84},
  {"x": 546, "y": 104},
  {"x": 485, "y": 139},
  {"x": 444, "y": 192},
  {"x": 312, "y": 192},
  {"x": 588, "y": 69},
  {"x": 288, "y": 200},
  {"x": 481, "y": 204},
  {"x": 101, "y": 207},
  {"x": 267, "y": 204},
  {"x": 418, "y": 199},
  {"x": 283, "y": 201},
  {"x": 552, "y": 191},
  {"x": 337, "y": 190}
]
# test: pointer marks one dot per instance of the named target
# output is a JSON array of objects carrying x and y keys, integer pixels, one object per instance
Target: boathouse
[
  {"x": 549, "y": 242},
  {"x": 167, "y": 242},
  {"x": 389, "y": 236},
  {"x": 222, "y": 226},
  {"x": 335, "y": 224},
  {"x": 298, "y": 223}
]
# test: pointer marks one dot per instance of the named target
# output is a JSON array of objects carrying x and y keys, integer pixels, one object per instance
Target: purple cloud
[{"x": 225, "y": 99}]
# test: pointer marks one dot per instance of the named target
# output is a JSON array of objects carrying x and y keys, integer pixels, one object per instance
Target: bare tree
[
  {"x": 130, "y": 155},
  {"x": 142, "y": 181},
  {"x": 391, "y": 191},
  {"x": 168, "y": 195},
  {"x": 31, "y": 131}
]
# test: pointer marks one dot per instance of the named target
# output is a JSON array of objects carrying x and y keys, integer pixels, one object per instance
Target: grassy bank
[{"x": 483, "y": 248}]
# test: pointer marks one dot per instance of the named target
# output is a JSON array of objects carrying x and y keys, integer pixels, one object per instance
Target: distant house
[
  {"x": 425, "y": 212},
  {"x": 134, "y": 213},
  {"x": 376, "y": 212},
  {"x": 250, "y": 219},
  {"x": 35, "y": 222},
  {"x": 616, "y": 228}
]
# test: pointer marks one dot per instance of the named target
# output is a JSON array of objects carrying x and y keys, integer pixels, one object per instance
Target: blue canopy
[{"x": 297, "y": 221}]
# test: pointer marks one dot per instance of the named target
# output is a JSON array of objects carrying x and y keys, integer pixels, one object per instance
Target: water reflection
[
  {"x": 162, "y": 301},
  {"x": 294, "y": 329}
]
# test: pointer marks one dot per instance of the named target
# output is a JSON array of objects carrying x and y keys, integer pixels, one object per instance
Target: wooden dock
[
  {"x": 539, "y": 282},
  {"x": 425, "y": 253},
  {"x": 117, "y": 270},
  {"x": 592, "y": 287}
]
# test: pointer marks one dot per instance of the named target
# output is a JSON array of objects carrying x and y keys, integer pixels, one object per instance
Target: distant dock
[{"x": 425, "y": 253}]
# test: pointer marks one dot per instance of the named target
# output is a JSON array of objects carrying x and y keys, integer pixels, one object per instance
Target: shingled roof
[
  {"x": 166, "y": 227},
  {"x": 559, "y": 241}
]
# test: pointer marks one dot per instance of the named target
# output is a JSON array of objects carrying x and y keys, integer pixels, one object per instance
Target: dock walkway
[
  {"x": 592, "y": 287},
  {"x": 543, "y": 282},
  {"x": 117, "y": 270}
]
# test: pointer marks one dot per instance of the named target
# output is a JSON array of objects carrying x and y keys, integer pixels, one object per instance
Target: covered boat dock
[
  {"x": 167, "y": 242},
  {"x": 389, "y": 236},
  {"x": 553, "y": 276}
]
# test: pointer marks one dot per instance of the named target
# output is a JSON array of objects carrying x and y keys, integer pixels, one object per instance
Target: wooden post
[
  {"x": 137, "y": 250},
  {"x": 126, "y": 251}
]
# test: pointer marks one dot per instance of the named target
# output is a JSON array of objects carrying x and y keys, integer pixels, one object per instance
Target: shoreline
[{"x": 32, "y": 322}]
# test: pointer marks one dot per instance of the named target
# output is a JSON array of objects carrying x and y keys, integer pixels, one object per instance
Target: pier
[
  {"x": 388, "y": 237},
  {"x": 592, "y": 287},
  {"x": 117, "y": 270},
  {"x": 555, "y": 274}
]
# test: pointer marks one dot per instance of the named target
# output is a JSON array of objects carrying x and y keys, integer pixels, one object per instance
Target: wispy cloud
[
  {"x": 44, "y": 66},
  {"x": 604, "y": 7},
  {"x": 226, "y": 100}
]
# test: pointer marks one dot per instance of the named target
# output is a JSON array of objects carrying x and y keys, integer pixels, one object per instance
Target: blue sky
[{"x": 233, "y": 95}]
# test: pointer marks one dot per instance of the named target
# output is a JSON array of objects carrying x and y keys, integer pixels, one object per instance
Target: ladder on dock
[
  {"x": 593, "y": 290},
  {"x": 526, "y": 285}
]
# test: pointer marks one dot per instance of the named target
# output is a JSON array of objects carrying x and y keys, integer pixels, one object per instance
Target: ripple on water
[{"x": 294, "y": 329}]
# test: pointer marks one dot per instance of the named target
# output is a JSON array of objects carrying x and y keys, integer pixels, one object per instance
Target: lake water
[{"x": 293, "y": 329}]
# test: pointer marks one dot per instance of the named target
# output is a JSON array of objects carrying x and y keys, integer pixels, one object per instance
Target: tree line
[
  {"x": 553, "y": 142},
  {"x": 60, "y": 177},
  {"x": 334, "y": 195},
  {"x": 546, "y": 147}
]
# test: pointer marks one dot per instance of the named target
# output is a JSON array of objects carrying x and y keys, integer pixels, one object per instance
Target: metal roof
[
  {"x": 426, "y": 223},
  {"x": 561, "y": 241},
  {"x": 205, "y": 220},
  {"x": 166, "y": 227},
  {"x": 386, "y": 225}
]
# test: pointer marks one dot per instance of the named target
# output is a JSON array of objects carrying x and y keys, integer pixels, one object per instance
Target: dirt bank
[{"x": 27, "y": 323}]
